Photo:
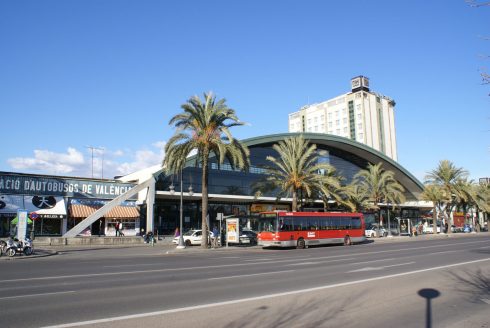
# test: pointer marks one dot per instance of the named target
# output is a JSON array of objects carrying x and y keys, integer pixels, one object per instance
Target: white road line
[
  {"x": 249, "y": 275},
  {"x": 131, "y": 265},
  {"x": 257, "y": 298},
  {"x": 445, "y": 252},
  {"x": 374, "y": 261},
  {"x": 380, "y": 268},
  {"x": 258, "y": 260},
  {"x": 35, "y": 295},
  {"x": 319, "y": 262}
]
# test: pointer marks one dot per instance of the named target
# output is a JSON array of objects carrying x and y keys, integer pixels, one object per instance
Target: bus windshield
[{"x": 268, "y": 222}]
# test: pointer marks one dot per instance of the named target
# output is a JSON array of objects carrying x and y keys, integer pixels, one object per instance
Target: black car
[{"x": 248, "y": 237}]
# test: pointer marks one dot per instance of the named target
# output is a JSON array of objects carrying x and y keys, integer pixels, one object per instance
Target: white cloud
[
  {"x": 50, "y": 162},
  {"x": 143, "y": 159},
  {"x": 106, "y": 163}
]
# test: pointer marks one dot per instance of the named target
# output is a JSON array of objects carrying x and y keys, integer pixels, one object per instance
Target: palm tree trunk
[
  {"x": 295, "y": 201},
  {"x": 434, "y": 220},
  {"x": 204, "y": 193}
]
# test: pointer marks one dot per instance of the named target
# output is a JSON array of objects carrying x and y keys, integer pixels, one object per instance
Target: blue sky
[{"x": 111, "y": 74}]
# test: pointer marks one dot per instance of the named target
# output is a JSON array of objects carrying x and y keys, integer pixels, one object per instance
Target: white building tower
[{"x": 361, "y": 115}]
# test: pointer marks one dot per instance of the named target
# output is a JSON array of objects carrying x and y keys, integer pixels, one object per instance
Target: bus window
[
  {"x": 286, "y": 224},
  {"x": 300, "y": 223},
  {"x": 312, "y": 223},
  {"x": 356, "y": 223},
  {"x": 268, "y": 224}
]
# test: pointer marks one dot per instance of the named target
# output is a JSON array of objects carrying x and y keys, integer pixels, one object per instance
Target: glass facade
[{"x": 224, "y": 180}]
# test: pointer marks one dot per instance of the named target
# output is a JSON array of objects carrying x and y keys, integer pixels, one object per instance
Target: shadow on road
[
  {"x": 297, "y": 313},
  {"x": 475, "y": 284}
]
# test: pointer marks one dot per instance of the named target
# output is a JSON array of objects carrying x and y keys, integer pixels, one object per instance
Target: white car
[
  {"x": 371, "y": 232},
  {"x": 192, "y": 237},
  {"x": 430, "y": 229}
]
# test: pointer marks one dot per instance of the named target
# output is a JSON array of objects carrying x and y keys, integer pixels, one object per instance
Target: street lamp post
[
  {"x": 181, "y": 214},
  {"x": 181, "y": 238},
  {"x": 389, "y": 224}
]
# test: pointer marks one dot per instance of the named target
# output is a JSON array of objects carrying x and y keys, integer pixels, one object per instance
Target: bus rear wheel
[
  {"x": 347, "y": 241},
  {"x": 301, "y": 244}
]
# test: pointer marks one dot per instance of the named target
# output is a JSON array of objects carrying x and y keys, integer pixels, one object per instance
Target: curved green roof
[{"x": 409, "y": 182}]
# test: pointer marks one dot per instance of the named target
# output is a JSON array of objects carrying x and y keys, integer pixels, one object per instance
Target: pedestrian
[
  {"x": 446, "y": 226},
  {"x": 215, "y": 236},
  {"x": 177, "y": 232},
  {"x": 116, "y": 226},
  {"x": 121, "y": 229}
]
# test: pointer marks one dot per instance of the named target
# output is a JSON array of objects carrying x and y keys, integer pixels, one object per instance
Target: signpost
[
  {"x": 21, "y": 224},
  {"x": 34, "y": 216}
]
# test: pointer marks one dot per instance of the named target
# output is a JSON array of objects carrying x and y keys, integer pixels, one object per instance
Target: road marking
[
  {"x": 319, "y": 262},
  {"x": 257, "y": 260},
  {"x": 303, "y": 263},
  {"x": 249, "y": 275},
  {"x": 131, "y": 265},
  {"x": 382, "y": 260},
  {"x": 257, "y": 298},
  {"x": 35, "y": 295},
  {"x": 380, "y": 268},
  {"x": 485, "y": 300},
  {"x": 445, "y": 252}
]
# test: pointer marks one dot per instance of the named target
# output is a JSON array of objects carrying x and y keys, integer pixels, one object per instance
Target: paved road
[{"x": 373, "y": 284}]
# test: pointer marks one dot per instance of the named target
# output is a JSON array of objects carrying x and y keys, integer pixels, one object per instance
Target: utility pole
[{"x": 92, "y": 148}]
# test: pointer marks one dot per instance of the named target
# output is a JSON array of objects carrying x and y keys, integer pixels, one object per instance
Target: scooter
[
  {"x": 3, "y": 247},
  {"x": 15, "y": 246}
]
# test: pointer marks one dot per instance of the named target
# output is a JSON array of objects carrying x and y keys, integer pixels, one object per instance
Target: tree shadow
[
  {"x": 297, "y": 313},
  {"x": 475, "y": 284}
]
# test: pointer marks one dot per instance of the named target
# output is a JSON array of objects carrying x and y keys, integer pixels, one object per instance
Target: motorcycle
[
  {"x": 3, "y": 247},
  {"x": 15, "y": 246}
]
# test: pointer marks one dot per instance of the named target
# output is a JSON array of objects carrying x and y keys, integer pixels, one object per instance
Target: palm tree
[
  {"x": 446, "y": 176},
  {"x": 356, "y": 199},
  {"x": 435, "y": 194},
  {"x": 204, "y": 126},
  {"x": 482, "y": 200},
  {"x": 379, "y": 185},
  {"x": 296, "y": 169}
]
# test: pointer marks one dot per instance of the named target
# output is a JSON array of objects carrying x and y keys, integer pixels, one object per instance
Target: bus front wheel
[
  {"x": 347, "y": 241},
  {"x": 301, "y": 243}
]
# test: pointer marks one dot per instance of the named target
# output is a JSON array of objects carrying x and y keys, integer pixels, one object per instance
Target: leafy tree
[
  {"x": 204, "y": 125},
  {"x": 296, "y": 169},
  {"x": 446, "y": 176},
  {"x": 379, "y": 185}
]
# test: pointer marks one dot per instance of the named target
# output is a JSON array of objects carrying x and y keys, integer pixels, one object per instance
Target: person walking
[
  {"x": 215, "y": 236},
  {"x": 177, "y": 232},
  {"x": 121, "y": 233},
  {"x": 116, "y": 226}
]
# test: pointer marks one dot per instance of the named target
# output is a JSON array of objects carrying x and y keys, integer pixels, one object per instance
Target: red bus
[{"x": 302, "y": 229}]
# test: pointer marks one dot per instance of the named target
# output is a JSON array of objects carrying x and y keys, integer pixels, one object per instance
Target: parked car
[
  {"x": 430, "y": 228},
  {"x": 248, "y": 237},
  {"x": 192, "y": 237},
  {"x": 372, "y": 231}
]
